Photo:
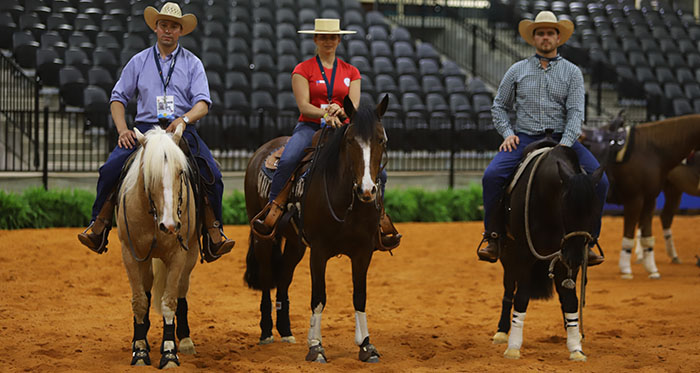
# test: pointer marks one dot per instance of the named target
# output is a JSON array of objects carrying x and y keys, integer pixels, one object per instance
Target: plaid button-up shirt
[{"x": 551, "y": 98}]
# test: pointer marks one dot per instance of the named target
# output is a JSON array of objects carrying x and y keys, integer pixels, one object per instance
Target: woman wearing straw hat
[
  {"x": 547, "y": 93},
  {"x": 320, "y": 84},
  {"x": 172, "y": 89}
]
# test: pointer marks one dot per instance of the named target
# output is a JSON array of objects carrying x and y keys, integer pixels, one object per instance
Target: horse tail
[
  {"x": 263, "y": 263},
  {"x": 540, "y": 283},
  {"x": 158, "y": 287}
]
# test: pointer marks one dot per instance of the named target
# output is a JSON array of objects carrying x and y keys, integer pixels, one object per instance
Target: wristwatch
[{"x": 186, "y": 119}]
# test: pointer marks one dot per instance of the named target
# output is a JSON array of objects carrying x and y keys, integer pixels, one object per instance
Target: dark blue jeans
[
  {"x": 293, "y": 152},
  {"x": 208, "y": 171},
  {"x": 505, "y": 163}
]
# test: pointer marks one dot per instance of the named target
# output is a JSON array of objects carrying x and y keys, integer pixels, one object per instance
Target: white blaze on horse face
[
  {"x": 367, "y": 186},
  {"x": 361, "y": 331},
  {"x": 167, "y": 216},
  {"x": 314, "y": 337}
]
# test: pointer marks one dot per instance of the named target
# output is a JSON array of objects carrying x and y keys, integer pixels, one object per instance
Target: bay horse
[
  {"x": 156, "y": 221},
  {"x": 339, "y": 215},
  {"x": 684, "y": 178},
  {"x": 553, "y": 209},
  {"x": 653, "y": 150}
]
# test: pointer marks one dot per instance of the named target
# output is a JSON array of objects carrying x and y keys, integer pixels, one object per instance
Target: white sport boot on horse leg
[
  {"x": 638, "y": 250},
  {"x": 515, "y": 339},
  {"x": 649, "y": 261},
  {"x": 670, "y": 247},
  {"x": 316, "y": 352},
  {"x": 573, "y": 337},
  {"x": 626, "y": 258}
]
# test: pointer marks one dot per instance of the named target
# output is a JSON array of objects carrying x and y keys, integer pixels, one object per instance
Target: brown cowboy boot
[
  {"x": 489, "y": 252},
  {"x": 389, "y": 237},
  {"x": 264, "y": 224},
  {"x": 219, "y": 244},
  {"x": 96, "y": 240},
  {"x": 593, "y": 258}
]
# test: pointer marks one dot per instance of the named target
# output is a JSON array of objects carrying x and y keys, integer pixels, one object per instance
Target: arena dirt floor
[{"x": 431, "y": 307}]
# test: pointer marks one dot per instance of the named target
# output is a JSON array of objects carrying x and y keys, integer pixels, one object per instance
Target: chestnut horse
[
  {"x": 553, "y": 209},
  {"x": 156, "y": 219},
  {"x": 339, "y": 215},
  {"x": 653, "y": 150}
]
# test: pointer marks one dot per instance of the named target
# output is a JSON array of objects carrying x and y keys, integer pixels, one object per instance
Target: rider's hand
[
  {"x": 334, "y": 110},
  {"x": 173, "y": 125},
  {"x": 127, "y": 139},
  {"x": 332, "y": 120},
  {"x": 509, "y": 144}
]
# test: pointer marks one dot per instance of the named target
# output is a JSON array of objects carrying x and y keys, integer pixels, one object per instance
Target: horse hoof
[
  {"x": 140, "y": 363},
  {"x": 676, "y": 260},
  {"x": 169, "y": 365},
  {"x": 186, "y": 346},
  {"x": 267, "y": 340},
  {"x": 316, "y": 354},
  {"x": 168, "y": 360},
  {"x": 655, "y": 276},
  {"x": 289, "y": 339},
  {"x": 626, "y": 276},
  {"x": 500, "y": 338},
  {"x": 369, "y": 354},
  {"x": 511, "y": 353},
  {"x": 577, "y": 356}
]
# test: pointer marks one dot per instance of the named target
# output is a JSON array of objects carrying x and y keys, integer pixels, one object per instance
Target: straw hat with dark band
[
  {"x": 170, "y": 12},
  {"x": 327, "y": 26},
  {"x": 546, "y": 18}
]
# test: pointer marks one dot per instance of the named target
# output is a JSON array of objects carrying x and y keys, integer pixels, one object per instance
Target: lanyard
[
  {"x": 160, "y": 70},
  {"x": 329, "y": 85}
]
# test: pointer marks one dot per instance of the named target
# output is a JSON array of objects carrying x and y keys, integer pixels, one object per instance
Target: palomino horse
[
  {"x": 339, "y": 215},
  {"x": 156, "y": 218},
  {"x": 653, "y": 150},
  {"x": 553, "y": 210}
]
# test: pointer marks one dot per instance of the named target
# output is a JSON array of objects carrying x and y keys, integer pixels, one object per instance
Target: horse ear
[
  {"x": 565, "y": 172},
  {"x": 178, "y": 132},
  {"x": 381, "y": 108},
  {"x": 598, "y": 174},
  {"x": 618, "y": 121},
  {"x": 349, "y": 107},
  {"x": 140, "y": 137}
]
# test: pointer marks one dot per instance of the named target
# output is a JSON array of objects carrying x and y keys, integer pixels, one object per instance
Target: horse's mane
[
  {"x": 580, "y": 192},
  {"x": 671, "y": 132},
  {"x": 160, "y": 156},
  {"x": 364, "y": 119}
]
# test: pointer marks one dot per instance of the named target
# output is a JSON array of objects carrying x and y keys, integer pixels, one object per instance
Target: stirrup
[
  {"x": 85, "y": 239},
  {"x": 258, "y": 221},
  {"x": 486, "y": 237}
]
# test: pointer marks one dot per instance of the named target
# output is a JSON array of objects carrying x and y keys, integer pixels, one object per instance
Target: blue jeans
[
  {"x": 208, "y": 171},
  {"x": 291, "y": 156},
  {"x": 505, "y": 163}
]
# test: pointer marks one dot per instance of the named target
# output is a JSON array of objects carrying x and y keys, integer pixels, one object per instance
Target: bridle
[
  {"x": 153, "y": 211},
  {"x": 355, "y": 184}
]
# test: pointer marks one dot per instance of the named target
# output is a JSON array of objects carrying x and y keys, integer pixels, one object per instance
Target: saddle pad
[
  {"x": 521, "y": 168},
  {"x": 273, "y": 158}
]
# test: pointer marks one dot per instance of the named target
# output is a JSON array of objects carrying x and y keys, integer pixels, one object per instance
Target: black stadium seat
[
  {"x": 99, "y": 76},
  {"x": 96, "y": 107},
  {"x": 24, "y": 48},
  {"x": 71, "y": 86},
  {"x": 48, "y": 63}
]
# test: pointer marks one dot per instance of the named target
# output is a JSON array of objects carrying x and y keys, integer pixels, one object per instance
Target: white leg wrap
[
  {"x": 515, "y": 339},
  {"x": 361, "y": 331},
  {"x": 573, "y": 337},
  {"x": 626, "y": 258},
  {"x": 627, "y": 243},
  {"x": 670, "y": 247},
  {"x": 638, "y": 250},
  {"x": 649, "y": 260},
  {"x": 314, "y": 337}
]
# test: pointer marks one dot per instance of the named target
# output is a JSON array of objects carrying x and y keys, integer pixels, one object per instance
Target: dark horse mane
[{"x": 363, "y": 120}]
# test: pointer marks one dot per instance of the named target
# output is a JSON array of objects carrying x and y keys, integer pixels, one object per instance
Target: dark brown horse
[
  {"x": 553, "y": 209},
  {"x": 339, "y": 215},
  {"x": 653, "y": 150}
]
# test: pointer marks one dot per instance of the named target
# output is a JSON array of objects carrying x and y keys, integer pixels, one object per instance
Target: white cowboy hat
[
  {"x": 546, "y": 18},
  {"x": 171, "y": 12},
  {"x": 326, "y": 26}
]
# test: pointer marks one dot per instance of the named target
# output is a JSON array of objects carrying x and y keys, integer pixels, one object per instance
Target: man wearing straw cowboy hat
[
  {"x": 547, "y": 93},
  {"x": 172, "y": 88}
]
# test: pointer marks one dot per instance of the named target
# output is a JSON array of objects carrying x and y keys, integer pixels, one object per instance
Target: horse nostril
[
  {"x": 177, "y": 227},
  {"x": 374, "y": 190},
  {"x": 162, "y": 227}
]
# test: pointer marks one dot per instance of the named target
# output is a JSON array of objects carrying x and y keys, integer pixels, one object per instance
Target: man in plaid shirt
[{"x": 547, "y": 93}]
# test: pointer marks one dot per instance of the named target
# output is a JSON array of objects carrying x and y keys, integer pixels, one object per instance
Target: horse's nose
[
  {"x": 368, "y": 195},
  {"x": 170, "y": 228}
]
